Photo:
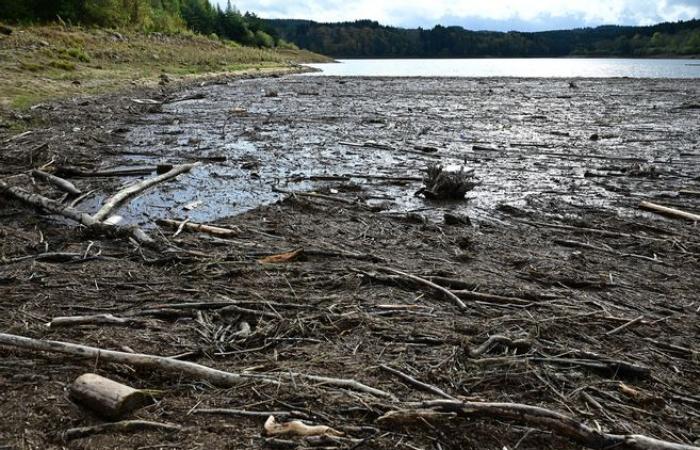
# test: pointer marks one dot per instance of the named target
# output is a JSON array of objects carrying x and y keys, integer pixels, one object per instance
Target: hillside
[
  {"x": 39, "y": 63},
  {"x": 368, "y": 39}
]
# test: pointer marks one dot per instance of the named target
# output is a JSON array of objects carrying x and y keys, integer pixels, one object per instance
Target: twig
[
  {"x": 125, "y": 426},
  {"x": 537, "y": 417},
  {"x": 456, "y": 300},
  {"x": 419, "y": 384}
]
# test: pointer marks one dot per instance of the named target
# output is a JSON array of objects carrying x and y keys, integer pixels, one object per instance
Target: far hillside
[{"x": 368, "y": 39}]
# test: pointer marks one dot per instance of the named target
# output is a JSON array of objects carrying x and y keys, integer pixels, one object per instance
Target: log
[
  {"x": 169, "y": 365},
  {"x": 64, "y": 185},
  {"x": 137, "y": 188},
  {"x": 666, "y": 211},
  {"x": 73, "y": 214},
  {"x": 542, "y": 418},
  {"x": 199, "y": 227},
  {"x": 106, "y": 397}
]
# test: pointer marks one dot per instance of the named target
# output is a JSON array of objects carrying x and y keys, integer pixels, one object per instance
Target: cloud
[{"x": 531, "y": 14}]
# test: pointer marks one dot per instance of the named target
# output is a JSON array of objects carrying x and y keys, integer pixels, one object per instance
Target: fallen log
[
  {"x": 106, "y": 397},
  {"x": 198, "y": 227},
  {"x": 71, "y": 213},
  {"x": 137, "y": 188},
  {"x": 666, "y": 211},
  {"x": 169, "y": 365},
  {"x": 540, "y": 418},
  {"x": 64, "y": 185}
]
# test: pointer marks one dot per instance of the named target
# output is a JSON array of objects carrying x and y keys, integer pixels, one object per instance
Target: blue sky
[{"x": 500, "y": 15}]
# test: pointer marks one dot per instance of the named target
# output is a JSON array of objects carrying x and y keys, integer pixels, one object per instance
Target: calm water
[{"x": 536, "y": 68}]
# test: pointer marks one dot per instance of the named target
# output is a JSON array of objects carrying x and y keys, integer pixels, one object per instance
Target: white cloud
[{"x": 428, "y": 13}]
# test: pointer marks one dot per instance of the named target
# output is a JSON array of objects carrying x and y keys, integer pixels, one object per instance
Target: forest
[
  {"x": 168, "y": 16},
  {"x": 369, "y": 39}
]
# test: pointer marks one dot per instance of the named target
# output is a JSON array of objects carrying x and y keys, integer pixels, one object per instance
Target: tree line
[
  {"x": 147, "y": 15},
  {"x": 369, "y": 39}
]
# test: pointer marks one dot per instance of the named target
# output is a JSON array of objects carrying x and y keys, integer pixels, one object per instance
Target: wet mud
[{"x": 595, "y": 300}]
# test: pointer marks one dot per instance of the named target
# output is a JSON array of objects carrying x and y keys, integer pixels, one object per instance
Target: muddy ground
[{"x": 597, "y": 299}]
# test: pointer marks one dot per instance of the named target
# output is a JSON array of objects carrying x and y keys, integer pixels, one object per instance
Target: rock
[{"x": 594, "y": 137}]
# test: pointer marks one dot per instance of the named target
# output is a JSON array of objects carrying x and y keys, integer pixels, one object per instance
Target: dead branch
[
  {"x": 73, "y": 214},
  {"x": 137, "y": 188},
  {"x": 666, "y": 211},
  {"x": 170, "y": 365},
  {"x": 455, "y": 299},
  {"x": 64, "y": 185},
  {"x": 125, "y": 426},
  {"x": 198, "y": 227},
  {"x": 98, "y": 319},
  {"x": 416, "y": 383},
  {"x": 558, "y": 423}
]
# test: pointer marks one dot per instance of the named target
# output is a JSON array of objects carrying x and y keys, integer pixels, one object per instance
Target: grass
[{"x": 43, "y": 63}]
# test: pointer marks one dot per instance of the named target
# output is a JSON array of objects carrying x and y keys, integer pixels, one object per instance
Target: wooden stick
[
  {"x": 72, "y": 213},
  {"x": 125, "y": 426},
  {"x": 417, "y": 383},
  {"x": 202, "y": 228},
  {"x": 315, "y": 195},
  {"x": 689, "y": 193},
  {"x": 625, "y": 325},
  {"x": 98, "y": 319},
  {"x": 214, "y": 376},
  {"x": 64, "y": 185},
  {"x": 456, "y": 300},
  {"x": 542, "y": 418},
  {"x": 665, "y": 210},
  {"x": 137, "y": 188}
]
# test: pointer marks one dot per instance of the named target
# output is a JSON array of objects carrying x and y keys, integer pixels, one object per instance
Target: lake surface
[{"x": 526, "y": 68}]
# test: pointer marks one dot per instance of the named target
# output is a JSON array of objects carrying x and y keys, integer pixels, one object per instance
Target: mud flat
[{"x": 549, "y": 286}]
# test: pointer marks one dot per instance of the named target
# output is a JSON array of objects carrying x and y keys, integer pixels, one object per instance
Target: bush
[{"x": 62, "y": 65}]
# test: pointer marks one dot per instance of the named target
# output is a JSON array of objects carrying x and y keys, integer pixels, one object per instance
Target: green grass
[{"x": 42, "y": 63}]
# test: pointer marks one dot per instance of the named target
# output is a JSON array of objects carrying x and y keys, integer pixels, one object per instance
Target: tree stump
[{"x": 106, "y": 397}]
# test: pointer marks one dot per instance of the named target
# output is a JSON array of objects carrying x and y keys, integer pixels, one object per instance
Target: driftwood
[
  {"x": 540, "y": 418},
  {"x": 314, "y": 195},
  {"x": 125, "y": 426},
  {"x": 98, "y": 319},
  {"x": 73, "y": 172},
  {"x": 169, "y": 365},
  {"x": 64, "y": 185},
  {"x": 107, "y": 397},
  {"x": 135, "y": 189},
  {"x": 201, "y": 228},
  {"x": 666, "y": 211},
  {"x": 297, "y": 428},
  {"x": 455, "y": 299},
  {"x": 73, "y": 214}
]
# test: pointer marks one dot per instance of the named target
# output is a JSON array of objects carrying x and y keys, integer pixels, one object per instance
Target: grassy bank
[{"x": 52, "y": 62}]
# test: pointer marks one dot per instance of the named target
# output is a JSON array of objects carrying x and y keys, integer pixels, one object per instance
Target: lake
[{"x": 518, "y": 67}]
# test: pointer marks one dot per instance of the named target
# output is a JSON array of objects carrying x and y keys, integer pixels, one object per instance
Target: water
[{"x": 528, "y": 68}]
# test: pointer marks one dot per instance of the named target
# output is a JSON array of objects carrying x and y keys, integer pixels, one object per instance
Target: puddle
[{"x": 524, "y": 139}]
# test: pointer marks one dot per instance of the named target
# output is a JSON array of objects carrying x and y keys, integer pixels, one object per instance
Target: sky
[{"x": 496, "y": 15}]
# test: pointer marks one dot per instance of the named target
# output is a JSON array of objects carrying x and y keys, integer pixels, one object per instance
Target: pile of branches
[{"x": 441, "y": 184}]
